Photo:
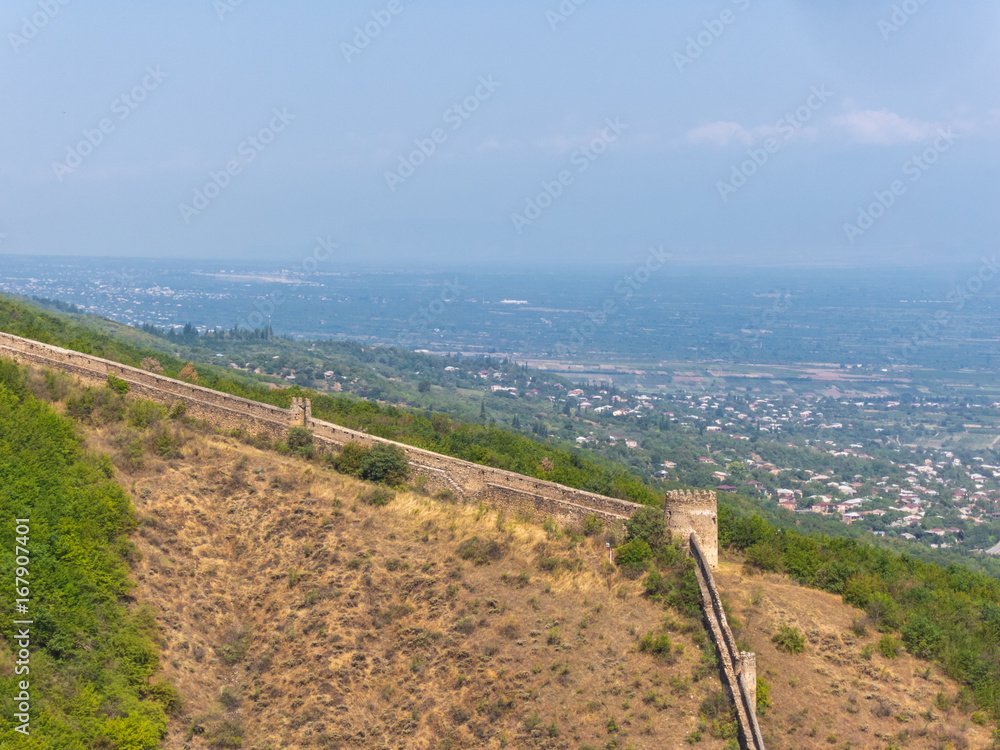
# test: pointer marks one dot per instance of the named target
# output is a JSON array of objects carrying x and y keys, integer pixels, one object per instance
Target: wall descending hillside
[
  {"x": 739, "y": 668},
  {"x": 517, "y": 494},
  {"x": 690, "y": 514}
]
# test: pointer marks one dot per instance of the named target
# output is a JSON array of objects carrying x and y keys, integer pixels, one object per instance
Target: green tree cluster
[{"x": 92, "y": 658}]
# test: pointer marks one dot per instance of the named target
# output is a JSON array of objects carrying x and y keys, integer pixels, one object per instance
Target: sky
[{"x": 413, "y": 133}]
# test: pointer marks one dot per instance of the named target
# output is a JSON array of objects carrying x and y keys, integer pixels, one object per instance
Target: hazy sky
[{"x": 413, "y": 131}]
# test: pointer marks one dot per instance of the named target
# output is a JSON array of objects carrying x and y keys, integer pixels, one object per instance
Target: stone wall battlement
[
  {"x": 692, "y": 497},
  {"x": 739, "y": 668}
]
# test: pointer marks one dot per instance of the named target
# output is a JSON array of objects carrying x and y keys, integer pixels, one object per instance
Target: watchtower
[
  {"x": 687, "y": 511},
  {"x": 300, "y": 412}
]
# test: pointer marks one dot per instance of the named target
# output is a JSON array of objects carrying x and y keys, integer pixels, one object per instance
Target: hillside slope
[
  {"x": 301, "y": 608},
  {"x": 296, "y": 615},
  {"x": 840, "y": 691}
]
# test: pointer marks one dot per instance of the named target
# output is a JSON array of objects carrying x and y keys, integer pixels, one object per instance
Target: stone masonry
[{"x": 695, "y": 511}]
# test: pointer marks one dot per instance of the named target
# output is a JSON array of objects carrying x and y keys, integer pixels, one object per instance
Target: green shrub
[
  {"x": 763, "y": 696},
  {"x": 385, "y": 463},
  {"x": 480, "y": 551},
  {"x": 143, "y": 413},
  {"x": 883, "y": 611},
  {"x": 648, "y": 524},
  {"x": 789, "y": 639},
  {"x": 348, "y": 461},
  {"x": 686, "y": 597},
  {"x": 656, "y": 645},
  {"x": 101, "y": 405},
  {"x": 922, "y": 637},
  {"x": 592, "y": 525},
  {"x": 165, "y": 445},
  {"x": 13, "y": 378},
  {"x": 168, "y": 696},
  {"x": 634, "y": 554},
  {"x": 300, "y": 441},
  {"x": 230, "y": 699},
  {"x": 131, "y": 450},
  {"x": 744, "y": 532},
  {"x": 888, "y": 646},
  {"x": 118, "y": 385},
  {"x": 464, "y": 625},
  {"x": 656, "y": 586},
  {"x": 860, "y": 589},
  {"x": 235, "y": 642},
  {"x": 378, "y": 496},
  {"x": 765, "y": 557}
]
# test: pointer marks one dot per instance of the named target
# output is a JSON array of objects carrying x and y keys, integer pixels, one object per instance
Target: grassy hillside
[
  {"x": 848, "y": 687},
  {"x": 302, "y": 608},
  {"x": 949, "y": 616}
]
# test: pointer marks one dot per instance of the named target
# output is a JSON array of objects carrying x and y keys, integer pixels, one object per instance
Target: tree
[
  {"x": 648, "y": 525},
  {"x": 188, "y": 373},
  {"x": 424, "y": 386},
  {"x": 152, "y": 365},
  {"x": 385, "y": 463}
]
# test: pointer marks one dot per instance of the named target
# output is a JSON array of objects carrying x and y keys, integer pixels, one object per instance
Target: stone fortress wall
[
  {"x": 691, "y": 514},
  {"x": 739, "y": 668},
  {"x": 512, "y": 492}
]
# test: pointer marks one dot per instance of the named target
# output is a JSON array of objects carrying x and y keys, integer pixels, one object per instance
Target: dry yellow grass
[
  {"x": 834, "y": 693},
  {"x": 295, "y": 615}
]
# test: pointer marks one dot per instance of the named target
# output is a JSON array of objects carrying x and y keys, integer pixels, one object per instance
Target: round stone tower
[{"x": 687, "y": 511}]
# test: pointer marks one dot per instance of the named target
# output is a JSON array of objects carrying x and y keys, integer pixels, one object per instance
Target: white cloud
[
  {"x": 720, "y": 133},
  {"x": 884, "y": 128}
]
